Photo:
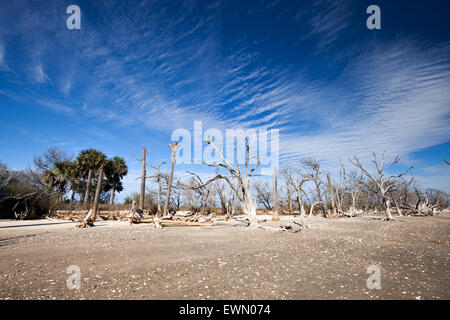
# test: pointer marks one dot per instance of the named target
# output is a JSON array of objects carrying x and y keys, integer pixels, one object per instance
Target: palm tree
[
  {"x": 88, "y": 161},
  {"x": 74, "y": 178},
  {"x": 49, "y": 177},
  {"x": 62, "y": 173},
  {"x": 102, "y": 163},
  {"x": 115, "y": 170},
  {"x": 56, "y": 178}
]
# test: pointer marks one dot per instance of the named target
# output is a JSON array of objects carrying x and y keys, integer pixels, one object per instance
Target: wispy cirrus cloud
[
  {"x": 329, "y": 22},
  {"x": 57, "y": 107},
  {"x": 40, "y": 75},
  {"x": 158, "y": 66},
  {"x": 3, "y": 65},
  {"x": 399, "y": 103}
]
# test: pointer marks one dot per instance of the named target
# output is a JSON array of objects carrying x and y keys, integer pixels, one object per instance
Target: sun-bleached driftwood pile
[
  {"x": 76, "y": 215},
  {"x": 173, "y": 220},
  {"x": 136, "y": 216}
]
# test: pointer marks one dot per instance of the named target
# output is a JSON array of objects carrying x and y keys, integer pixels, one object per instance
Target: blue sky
[{"x": 137, "y": 70}]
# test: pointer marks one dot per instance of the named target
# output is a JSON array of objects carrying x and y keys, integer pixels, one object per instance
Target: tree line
[
  {"x": 307, "y": 189},
  {"x": 91, "y": 178},
  {"x": 58, "y": 181}
]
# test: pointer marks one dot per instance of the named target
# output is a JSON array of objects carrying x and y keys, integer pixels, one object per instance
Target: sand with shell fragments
[{"x": 327, "y": 261}]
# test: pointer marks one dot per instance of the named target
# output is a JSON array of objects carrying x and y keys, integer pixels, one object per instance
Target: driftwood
[
  {"x": 135, "y": 216},
  {"x": 170, "y": 221},
  {"x": 184, "y": 223},
  {"x": 87, "y": 221},
  {"x": 83, "y": 212},
  {"x": 78, "y": 215},
  {"x": 422, "y": 208},
  {"x": 352, "y": 212}
]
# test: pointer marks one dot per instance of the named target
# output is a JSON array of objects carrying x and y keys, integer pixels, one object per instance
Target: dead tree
[
  {"x": 192, "y": 198},
  {"x": 158, "y": 176},
  {"x": 275, "y": 201},
  {"x": 346, "y": 194},
  {"x": 383, "y": 184},
  {"x": 174, "y": 146},
  {"x": 227, "y": 199},
  {"x": 311, "y": 209},
  {"x": 204, "y": 192},
  {"x": 242, "y": 188},
  {"x": 289, "y": 196},
  {"x": 340, "y": 190},
  {"x": 333, "y": 202},
  {"x": 406, "y": 195},
  {"x": 143, "y": 162},
  {"x": 177, "y": 192},
  {"x": 143, "y": 172},
  {"x": 399, "y": 195},
  {"x": 353, "y": 182},
  {"x": 423, "y": 206},
  {"x": 231, "y": 206},
  {"x": 19, "y": 198},
  {"x": 314, "y": 166},
  {"x": 297, "y": 181},
  {"x": 263, "y": 194},
  {"x": 437, "y": 197},
  {"x": 221, "y": 193}
]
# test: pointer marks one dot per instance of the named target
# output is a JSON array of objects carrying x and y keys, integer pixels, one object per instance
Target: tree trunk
[
  {"x": 289, "y": 199},
  {"x": 249, "y": 206},
  {"x": 353, "y": 201},
  {"x": 302, "y": 208},
  {"x": 311, "y": 209},
  {"x": 88, "y": 187},
  {"x": 142, "y": 195},
  {"x": 275, "y": 200},
  {"x": 397, "y": 207},
  {"x": 399, "y": 211},
  {"x": 169, "y": 185},
  {"x": 111, "y": 197},
  {"x": 159, "y": 196},
  {"x": 97, "y": 194},
  {"x": 72, "y": 197},
  {"x": 319, "y": 196},
  {"x": 388, "y": 210},
  {"x": 301, "y": 205},
  {"x": 333, "y": 203}
]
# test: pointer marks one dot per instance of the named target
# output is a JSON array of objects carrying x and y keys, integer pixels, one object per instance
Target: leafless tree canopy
[{"x": 58, "y": 182}]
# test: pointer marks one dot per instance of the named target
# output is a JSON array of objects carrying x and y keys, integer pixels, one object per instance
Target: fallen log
[
  {"x": 141, "y": 220},
  {"x": 163, "y": 222},
  {"x": 184, "y": 223}
]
